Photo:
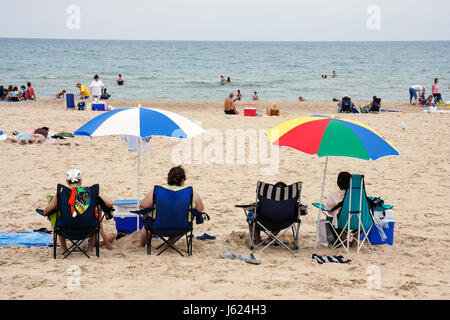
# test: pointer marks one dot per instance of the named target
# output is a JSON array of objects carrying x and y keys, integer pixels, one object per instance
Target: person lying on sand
[
  {"x": 73, "y": 179},
  {"x": 229, "y": 107},
  {"x": 175, "y": 181},
  {"x": 301, "y": 99},
  {"x": 30, "y": 136}
]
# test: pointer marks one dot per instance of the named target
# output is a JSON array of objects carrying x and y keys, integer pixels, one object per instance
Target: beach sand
[{"x": 416, "y": 183}]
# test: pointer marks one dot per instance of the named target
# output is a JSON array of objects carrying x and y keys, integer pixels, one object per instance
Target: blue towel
[{"x": 25, "y": 238}]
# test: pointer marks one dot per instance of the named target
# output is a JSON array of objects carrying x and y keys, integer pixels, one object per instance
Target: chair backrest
[
  {"x": 376, "y": 105},
  {"x": 355, "y": 200},
  {"x": 70, "y": 100},
  {"x": 84, "y": 221},
  {"x": 172, "y": 208},
  {"x": 346, "y": 104},
  {"x": 278, "y": 204}
]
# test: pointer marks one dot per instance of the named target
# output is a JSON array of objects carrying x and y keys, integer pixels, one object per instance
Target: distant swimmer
[
  {"x": 229, "y": 107},
  {"x": 301, "y": 99},
  {"x": 228, "y": 80},
  {"x": 239, "y": 96},
  {"x": 255, "y": 96},
  {"x": 324, "y": 76},
  {"x": 222, "y": 80},
  {"x": 334, "y": 75},
  {"x": 120, "y": 80}
]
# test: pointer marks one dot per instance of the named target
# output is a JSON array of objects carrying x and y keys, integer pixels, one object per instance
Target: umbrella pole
[
  {"x": 320, "y": 203},
  {"x": 138, "y": 183}
]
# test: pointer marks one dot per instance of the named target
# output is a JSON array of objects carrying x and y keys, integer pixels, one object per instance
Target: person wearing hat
[
  {"x": 273, "y": 111},
  {"x": 84, "y": 92},
  {"x": 74, "y": 179},
  {"x": 340, "y": 103}
]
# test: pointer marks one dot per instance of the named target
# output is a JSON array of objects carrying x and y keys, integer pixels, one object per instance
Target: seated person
[
  {"x": 336, "y": 199},
  {"x": 342, "y": 105},
  {"x": 22, "y": 92},
  {"x": 422, "y": 98},
  {"x": 301, "y": 99},
  {"x": 175, "y": 181},
  {"x": 371, "y": 106},
  {"x": 257, "y": 234},
  {"x": 229, "y": 107},
  {"x": 73, "y": 179},
  {"x": 429, "y": 101},
  {"x": 273, "y": 111},
  {"x": 25, "y": 136},
  {"x": 60, "y": 94},
  {"x": 14, "y": 95}
]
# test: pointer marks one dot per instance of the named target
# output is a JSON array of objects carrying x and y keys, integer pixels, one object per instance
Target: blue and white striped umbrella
[{"x": 140, "y": 122}]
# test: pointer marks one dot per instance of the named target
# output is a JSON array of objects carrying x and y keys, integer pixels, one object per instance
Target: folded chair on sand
[
  {"x": 355, "y": 218},
  {"x": 275, "y": 209},
  {"x": 171, "y": 216},
  {"x": 77, "y": 218}
]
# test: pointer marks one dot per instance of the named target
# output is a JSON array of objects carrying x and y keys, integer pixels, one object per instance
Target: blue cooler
[
  {"x": 387, "y": 220},
  {"x": 125, "y": 221},
  {"x": 98, "y": 107}
]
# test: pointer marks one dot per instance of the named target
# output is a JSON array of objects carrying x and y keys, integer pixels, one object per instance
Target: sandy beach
[{"x": 416, "y": 183}]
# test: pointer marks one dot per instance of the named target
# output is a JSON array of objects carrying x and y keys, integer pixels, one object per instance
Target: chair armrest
[
  {"x": 251, "y": 206},
  {"x": 41, "y": 212},
  {"x": 302, "y": 209},
  {"x": 322, "y": 208},
  {"x": 143, "y": 211}
]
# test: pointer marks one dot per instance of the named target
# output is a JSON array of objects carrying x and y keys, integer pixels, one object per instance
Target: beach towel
[
  {"x": 26, "y": 238},
  {"x": 79, "y": 200},
  {"x": 325, "y": 259}
]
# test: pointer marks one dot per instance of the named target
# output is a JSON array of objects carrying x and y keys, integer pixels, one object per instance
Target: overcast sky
[{"x": 265, "y": 20}]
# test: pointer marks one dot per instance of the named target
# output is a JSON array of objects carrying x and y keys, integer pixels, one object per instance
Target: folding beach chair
[
  {"x": 376, "y": 104},
  {"x": 171, "y": 216},
  {"x": 355, "y": 218},
  {"x": 70, "y": 100},
  {"x": 275, "y": 209},
  {"x": 346, "y": 105},
  {"x": 73, "y": 225}
]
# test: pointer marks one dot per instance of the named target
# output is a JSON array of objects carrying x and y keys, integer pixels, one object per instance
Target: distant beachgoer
[
  {"x": 429, "y": 101},
  {"x": 97, "y": 88},
  {"x": 222, "y": 80},
  {"x": 14, "y": 95},
  {"x": 335, "y": 100},
  {"x": 435, "y": 91},
  {"x": 228, "y": 80},
  {"x": 301, "y": 99},
  {"x": 334, "y": 75},
  {"x": 23, "y": 91},
  {"x": 414, "y": 91},
  {"x": 84, "y": 92},
  {"x": 273, "y": 111},
  {"x": 25, "y": 136},
  {"x": 120, "y": 80},
  {"x": 238, "y": 96},
  {"x": 340, "y": 103},
  {"x": 255, "y": 96},
  {"x": 30, "y": 92},
  {"x": 229, "y": 107},
  {"x": 60, "y": 94}
]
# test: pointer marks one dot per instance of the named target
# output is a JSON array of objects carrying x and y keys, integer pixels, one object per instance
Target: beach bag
[
  {"x": 363, "y": 110},
  {"x": 327, "y": 236},
  {"x": 105, "y": 96},
  {"x": 81, "y": 105}
]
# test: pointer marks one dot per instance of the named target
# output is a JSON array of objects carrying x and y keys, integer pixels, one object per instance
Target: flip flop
[
  {"x": 251, "y": 259},
  {"x": 205, "y": 236},
  {"x": 120, "y": 235},
  {"x": 229, "y": 255}
]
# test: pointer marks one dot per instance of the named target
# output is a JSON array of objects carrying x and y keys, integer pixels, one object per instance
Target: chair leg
[
  {"x": 55, "y": 242},
  {"x": 97, "y": 244},
  {"x": 149, "y": 243}
]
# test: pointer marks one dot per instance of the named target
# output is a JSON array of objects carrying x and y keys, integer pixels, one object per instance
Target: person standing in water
[
  {"x": 334, "y": 75},
  {"x": 120, "y": 80}
]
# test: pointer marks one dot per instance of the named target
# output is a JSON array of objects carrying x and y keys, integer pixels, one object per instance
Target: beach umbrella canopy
[
  {"x": 326, "y": 136},
  {"x": 140, "y": 122}
]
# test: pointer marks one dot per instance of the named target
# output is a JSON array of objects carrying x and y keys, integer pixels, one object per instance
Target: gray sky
[{"x": 263, "y": 20}]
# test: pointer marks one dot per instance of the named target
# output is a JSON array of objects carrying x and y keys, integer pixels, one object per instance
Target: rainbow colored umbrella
[{"x": 326, "y": 136}]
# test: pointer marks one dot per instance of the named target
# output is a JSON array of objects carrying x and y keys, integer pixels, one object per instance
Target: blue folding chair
[
  {"x": 376, "y": 104},
  {"x": 346, "y": 105},
  {"x": 70, "y": 100},
  {"x": 171, "y": 216},
  {"x": 356, "y": 216}
]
